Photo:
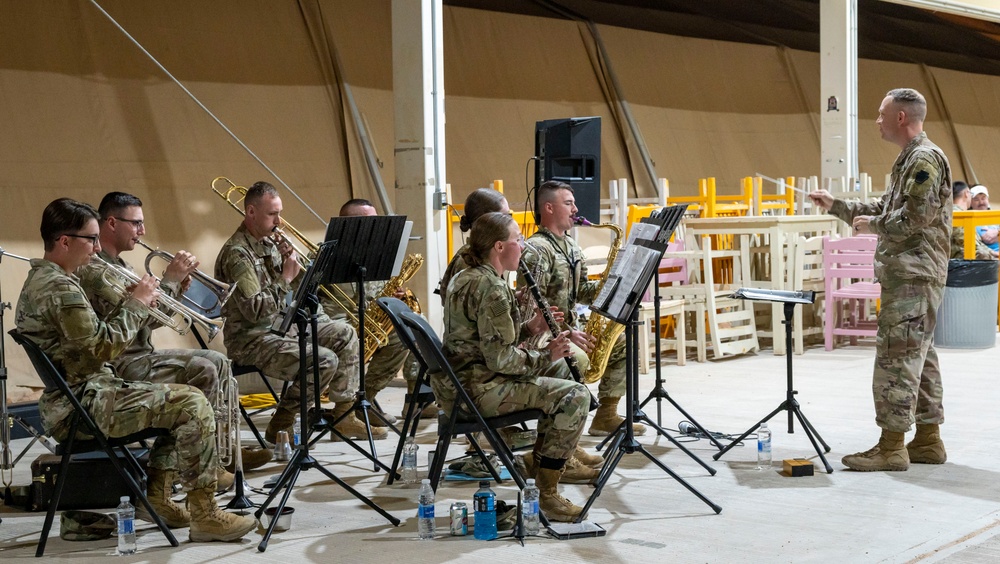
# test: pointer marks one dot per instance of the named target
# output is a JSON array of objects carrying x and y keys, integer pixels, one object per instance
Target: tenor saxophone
[
  {"x": 375, "y": 315},
  {"x": 605, "y": 330}
]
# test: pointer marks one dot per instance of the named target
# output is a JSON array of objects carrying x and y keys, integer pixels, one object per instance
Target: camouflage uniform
[
  {"x": 255, "y": 267},
  {"x": 557, "y": 263},
  {"x": 391, "y": 357},
  {"x": 140, "y": 362},
  {"x": 913, "y": 224},
  {"x": 482, "y": 332},
  {"x": 456, "y": 265},
  {"x": 958, "y": 242},
  {"x": 53, "y": 312}
]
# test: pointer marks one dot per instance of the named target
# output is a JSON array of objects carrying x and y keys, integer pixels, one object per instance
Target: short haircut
[
  {"x": 957, "y": 188},
  {"x": 480, "y": 201},
  {"x": 354, "y": 203},
  {"x": 486, "y": 231},
  {"x": 913, "y": 103},
  {"x": 116, "y": 202},
  {"x": 64, "y": 216},
  {"x": 548, "y": 190},
  {"x": 257, "y": 192}
]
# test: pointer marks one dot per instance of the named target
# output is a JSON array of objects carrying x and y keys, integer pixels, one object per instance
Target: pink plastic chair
[{"x": 849, "y": 268}]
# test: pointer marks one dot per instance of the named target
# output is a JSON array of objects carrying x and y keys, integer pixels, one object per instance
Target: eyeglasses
[
  {"x": 137, "y": 223},
  {"x": 91, "y": 238}
]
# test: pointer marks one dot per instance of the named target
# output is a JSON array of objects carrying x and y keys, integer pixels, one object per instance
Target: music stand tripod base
[{"x": 790, "y": 404}]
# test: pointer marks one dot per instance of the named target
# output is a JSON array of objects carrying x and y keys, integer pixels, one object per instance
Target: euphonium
[
  {"x": 221, "y": 290},
  {"x": 603, "y": 329},
  {"x": 227, "y": 422},
  {"x": 180, "y": 317}
]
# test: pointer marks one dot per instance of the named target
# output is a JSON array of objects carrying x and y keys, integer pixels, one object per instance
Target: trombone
[
  {"x": 180, "y": 317},
  {"x": 221, "y": 290},
  {"x": 375, "y": 335}
]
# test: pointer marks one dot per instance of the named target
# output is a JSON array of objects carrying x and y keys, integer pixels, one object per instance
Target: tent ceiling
[{"x": 886, "y": 31}]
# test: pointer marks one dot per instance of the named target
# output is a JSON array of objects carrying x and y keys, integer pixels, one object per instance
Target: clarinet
[{"x": 553, "y": 327}]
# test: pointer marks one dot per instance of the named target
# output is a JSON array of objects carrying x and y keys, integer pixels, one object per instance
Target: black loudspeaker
[{"x": 569, "y": 150}]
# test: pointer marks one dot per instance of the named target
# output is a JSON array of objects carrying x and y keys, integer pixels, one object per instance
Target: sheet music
[
  {"x": 642, "y": 231},
  {"x": 634, "y": 271},
  {"x": 601, "y": 301}
]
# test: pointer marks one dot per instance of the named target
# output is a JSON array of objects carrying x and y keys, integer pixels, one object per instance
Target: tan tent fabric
[{"x": 84, "y": 112}]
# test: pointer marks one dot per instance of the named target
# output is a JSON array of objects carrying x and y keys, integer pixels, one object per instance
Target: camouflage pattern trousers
[
  {"x": 907, "y": 380},
  {"x": 278, "y": 357},
  {"x": 612, "y": 383},
  {"x": 203, "y": 369},
  {"x": 387, "y": 361},
  {"x": 122, "y": 408},
  {"x": 564, "y": 403}
]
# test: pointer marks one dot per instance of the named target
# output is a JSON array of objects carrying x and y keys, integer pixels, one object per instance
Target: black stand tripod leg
[
  {"x": 808, "y": 430},
  {"x": 739, "y": 440},
  {"x": 665, "y": 434}
]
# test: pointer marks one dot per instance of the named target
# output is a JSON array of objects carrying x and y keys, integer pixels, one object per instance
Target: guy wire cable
[{"x": 207, "y": 111}]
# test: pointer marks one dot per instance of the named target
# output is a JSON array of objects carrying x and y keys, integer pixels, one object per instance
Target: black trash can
[{"x": 967, "y": 318}]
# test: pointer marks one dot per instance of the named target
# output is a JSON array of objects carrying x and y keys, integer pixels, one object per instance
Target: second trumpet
[
  {"x": 170, "y": 313},
  {"x": 221, "y": 290}
]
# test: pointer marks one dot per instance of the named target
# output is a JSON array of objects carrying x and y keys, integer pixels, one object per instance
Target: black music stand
[
  {"x": 303, "y": 312},
  {"x": 370, "y": 248},
  {"x": 620, "y": 303},
  {"x": 791, "y": 405},
  {"x": 668, "y": 219}
]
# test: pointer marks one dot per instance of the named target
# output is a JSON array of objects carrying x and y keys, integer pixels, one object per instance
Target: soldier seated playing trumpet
[
  {"x": 53, "y": 312},
  {"x": 122, "y": 224}
]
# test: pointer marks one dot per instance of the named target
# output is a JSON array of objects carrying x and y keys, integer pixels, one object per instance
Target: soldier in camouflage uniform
[
  {"x": 481, "y": 340},
  {"x": 122, "y": 225},
  {"x": 913, "y": 224},
  {"x": 264, "y": 272},
  {"x": 557, "y": 263},
  {"x": 961, "y": 198},
  {"x": 479, "y": 202},
  {"x": 54, "y": 313},
  {"x": 391, "y": 357}
]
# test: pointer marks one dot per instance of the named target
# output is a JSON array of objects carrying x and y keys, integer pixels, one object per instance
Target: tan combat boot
[
  {"x": 606, "y": 419},
  {"x": 555, "y": 506},
  {"x": 592, "y": 460},
  {"x": 926, "y": 447},
  {"x": 527, "y": 465},
  {"x": 282, "y": 420},
  {"x": 158, "y": 491},
  {"x": 224, "y": 479},
  {"x": 252, "y": 458},
  {"x": 888, "y": 455},
  {"x": 209, "y": 523},
  {"x": 576, "y": 472},
  {"x": 352, "y": 427}
]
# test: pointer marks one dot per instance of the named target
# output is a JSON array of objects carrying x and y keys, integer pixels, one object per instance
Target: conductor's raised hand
[{"x": 821, "y": 198}]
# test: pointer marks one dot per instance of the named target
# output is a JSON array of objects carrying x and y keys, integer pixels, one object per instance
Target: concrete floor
[{"x": 946, "y": 513}]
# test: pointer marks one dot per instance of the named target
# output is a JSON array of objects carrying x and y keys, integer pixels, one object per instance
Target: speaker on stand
[{"x": 569, "y": 150}]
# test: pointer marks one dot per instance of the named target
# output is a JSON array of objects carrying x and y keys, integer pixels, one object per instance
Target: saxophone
[
  {"x": 603, "y": 329},
  {"x": 375, "y": 316}
]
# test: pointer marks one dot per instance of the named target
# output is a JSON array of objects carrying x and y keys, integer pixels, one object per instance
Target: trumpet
[
  {"x": 221, "y": 290},
  {"x": 180, "y": 317}
]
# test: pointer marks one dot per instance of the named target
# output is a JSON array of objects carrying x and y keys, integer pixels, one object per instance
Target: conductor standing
[{"x": 913, "y": 225}]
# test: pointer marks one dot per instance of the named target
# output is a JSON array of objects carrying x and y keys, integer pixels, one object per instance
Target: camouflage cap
[{"x": 85, "y": 525}]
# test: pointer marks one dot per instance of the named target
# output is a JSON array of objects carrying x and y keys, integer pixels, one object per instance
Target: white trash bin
[{"x": 967, "y": 318}]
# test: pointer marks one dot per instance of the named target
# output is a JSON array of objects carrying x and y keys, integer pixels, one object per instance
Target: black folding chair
[
  {"x": 200, "y": 294},
  {"x": 422, "y": 396},
  {"x": 464, "y": 417},
  {"x": 54, "y": 380}
]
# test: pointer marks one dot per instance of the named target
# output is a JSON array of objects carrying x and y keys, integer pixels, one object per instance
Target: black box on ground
[{"x": 92, "y": 482}]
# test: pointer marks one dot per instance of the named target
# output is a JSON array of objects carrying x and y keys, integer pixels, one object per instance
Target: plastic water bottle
[
  {"x": 126, "y": 527},
  {"x": 425, "y": 510},
  {"x": 297, "y": 431},
  {"x": 484, "y": 504},
  {"x": 529, "y": 508},
  {"x": 410, "y": 461},
  {"x": 763, "y": 447}
]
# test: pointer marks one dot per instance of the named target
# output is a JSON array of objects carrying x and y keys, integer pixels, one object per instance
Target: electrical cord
[{"x": 688, "y": 429}]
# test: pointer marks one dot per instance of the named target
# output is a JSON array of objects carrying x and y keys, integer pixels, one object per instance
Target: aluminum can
[{"x": 459, "y": 519}]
